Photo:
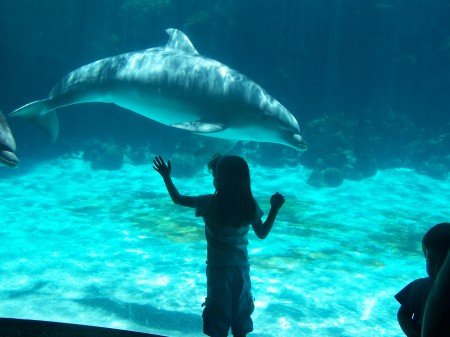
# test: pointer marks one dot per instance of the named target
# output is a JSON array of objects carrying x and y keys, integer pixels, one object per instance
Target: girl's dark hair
[{"x": 233, "y": 200}]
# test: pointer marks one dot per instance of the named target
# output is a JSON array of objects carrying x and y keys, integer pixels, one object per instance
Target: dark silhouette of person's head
[
  {"x": 435, "y": 245},
  {"x": 233, "y": 197}
]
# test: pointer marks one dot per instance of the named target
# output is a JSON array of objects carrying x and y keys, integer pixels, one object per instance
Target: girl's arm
[
  {"x": 164, "y": 170},
  {"x": 263, "y": 229}
]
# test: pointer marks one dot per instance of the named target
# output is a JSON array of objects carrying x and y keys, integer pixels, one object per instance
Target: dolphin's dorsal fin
[{"x": 179, "y": 41}]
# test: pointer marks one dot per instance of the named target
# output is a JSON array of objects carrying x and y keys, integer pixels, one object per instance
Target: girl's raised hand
[{"x": 160, "y": 166}]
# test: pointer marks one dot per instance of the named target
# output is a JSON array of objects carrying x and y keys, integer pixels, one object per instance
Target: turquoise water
[{"x": 110, "y": 249}]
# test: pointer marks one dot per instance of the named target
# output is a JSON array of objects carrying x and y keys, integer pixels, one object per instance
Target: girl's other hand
[{"x": 277, "y": 200}]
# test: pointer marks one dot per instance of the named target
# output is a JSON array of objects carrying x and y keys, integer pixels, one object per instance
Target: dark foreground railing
[{"x": 11, "y": 327}]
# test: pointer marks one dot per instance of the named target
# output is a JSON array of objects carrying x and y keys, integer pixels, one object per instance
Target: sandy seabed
[{"x": 108, "y": 248}]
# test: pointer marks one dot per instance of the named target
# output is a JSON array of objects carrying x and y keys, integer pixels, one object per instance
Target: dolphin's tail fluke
[{"x": 42, "y": 115}]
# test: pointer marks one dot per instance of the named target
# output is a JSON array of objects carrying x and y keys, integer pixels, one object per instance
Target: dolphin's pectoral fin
[
  {"x": 200, "y": 126},
  {"x": 179, "y": 41}
]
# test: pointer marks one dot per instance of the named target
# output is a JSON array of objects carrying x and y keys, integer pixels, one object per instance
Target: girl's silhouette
[{"x": 227, "y": 214}]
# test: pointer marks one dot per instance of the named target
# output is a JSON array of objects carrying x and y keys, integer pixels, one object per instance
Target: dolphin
[
  {"x": 7, "y": 144},
  {"x": 176, "y": 86}
]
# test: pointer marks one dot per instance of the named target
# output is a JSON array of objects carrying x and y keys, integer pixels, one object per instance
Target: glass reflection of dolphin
[
  {"x": 176, "y": 86},
  {"x": 7, "y": 144}
]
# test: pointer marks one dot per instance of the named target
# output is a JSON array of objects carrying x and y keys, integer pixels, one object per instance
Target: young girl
[{"x": 227, "y": 214}]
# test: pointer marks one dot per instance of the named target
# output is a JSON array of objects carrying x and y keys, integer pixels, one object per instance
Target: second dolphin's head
[{"x": 7, "y": 144}]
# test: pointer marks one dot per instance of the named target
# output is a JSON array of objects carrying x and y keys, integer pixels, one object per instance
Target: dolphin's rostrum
[
  {"x": 7, "y": 144},
  {"x": 176, "y": 86}
]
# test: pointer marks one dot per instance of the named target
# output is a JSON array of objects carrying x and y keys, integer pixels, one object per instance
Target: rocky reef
[
  {"x": 355, "y": 148},
  {"x": 339, "y": 148},
  {"x": 109, "y": 155}
]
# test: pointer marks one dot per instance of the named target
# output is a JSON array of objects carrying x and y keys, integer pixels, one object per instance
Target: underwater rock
[
  {"x": 356, "y": 166},
  {"x": 268, "y": 154},
  {"x": 138, "y": 155},
  {"x": 328, "y": 177},
  {"x": 190, "y": 155},
  {"x": 337, "y": 159},
  {"x": 332, "y": 177},
  {"x": 109, "y": 160},
  {"x": 315, "y": 178},
  {"x": 367, "y": 167},
  {"x": 104, "y": 156},
  {"x": 431, "y": 155},
  {"x": 446, "y": 162},
  {"x": 251, "y": 151},
  {"x": 186, "y": 164},
  {"x": 434, "y": 170},
  {"x": 392, "y": 139},
  {"x": 355, "y": 148},
  {"x": 350, "y": 172},
  {"x": 331, "y": 139}
]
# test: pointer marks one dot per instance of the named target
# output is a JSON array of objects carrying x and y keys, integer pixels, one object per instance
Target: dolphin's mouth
[
  {"x": 301, "y": 144},
  {"x": 8, "y": 158}
]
